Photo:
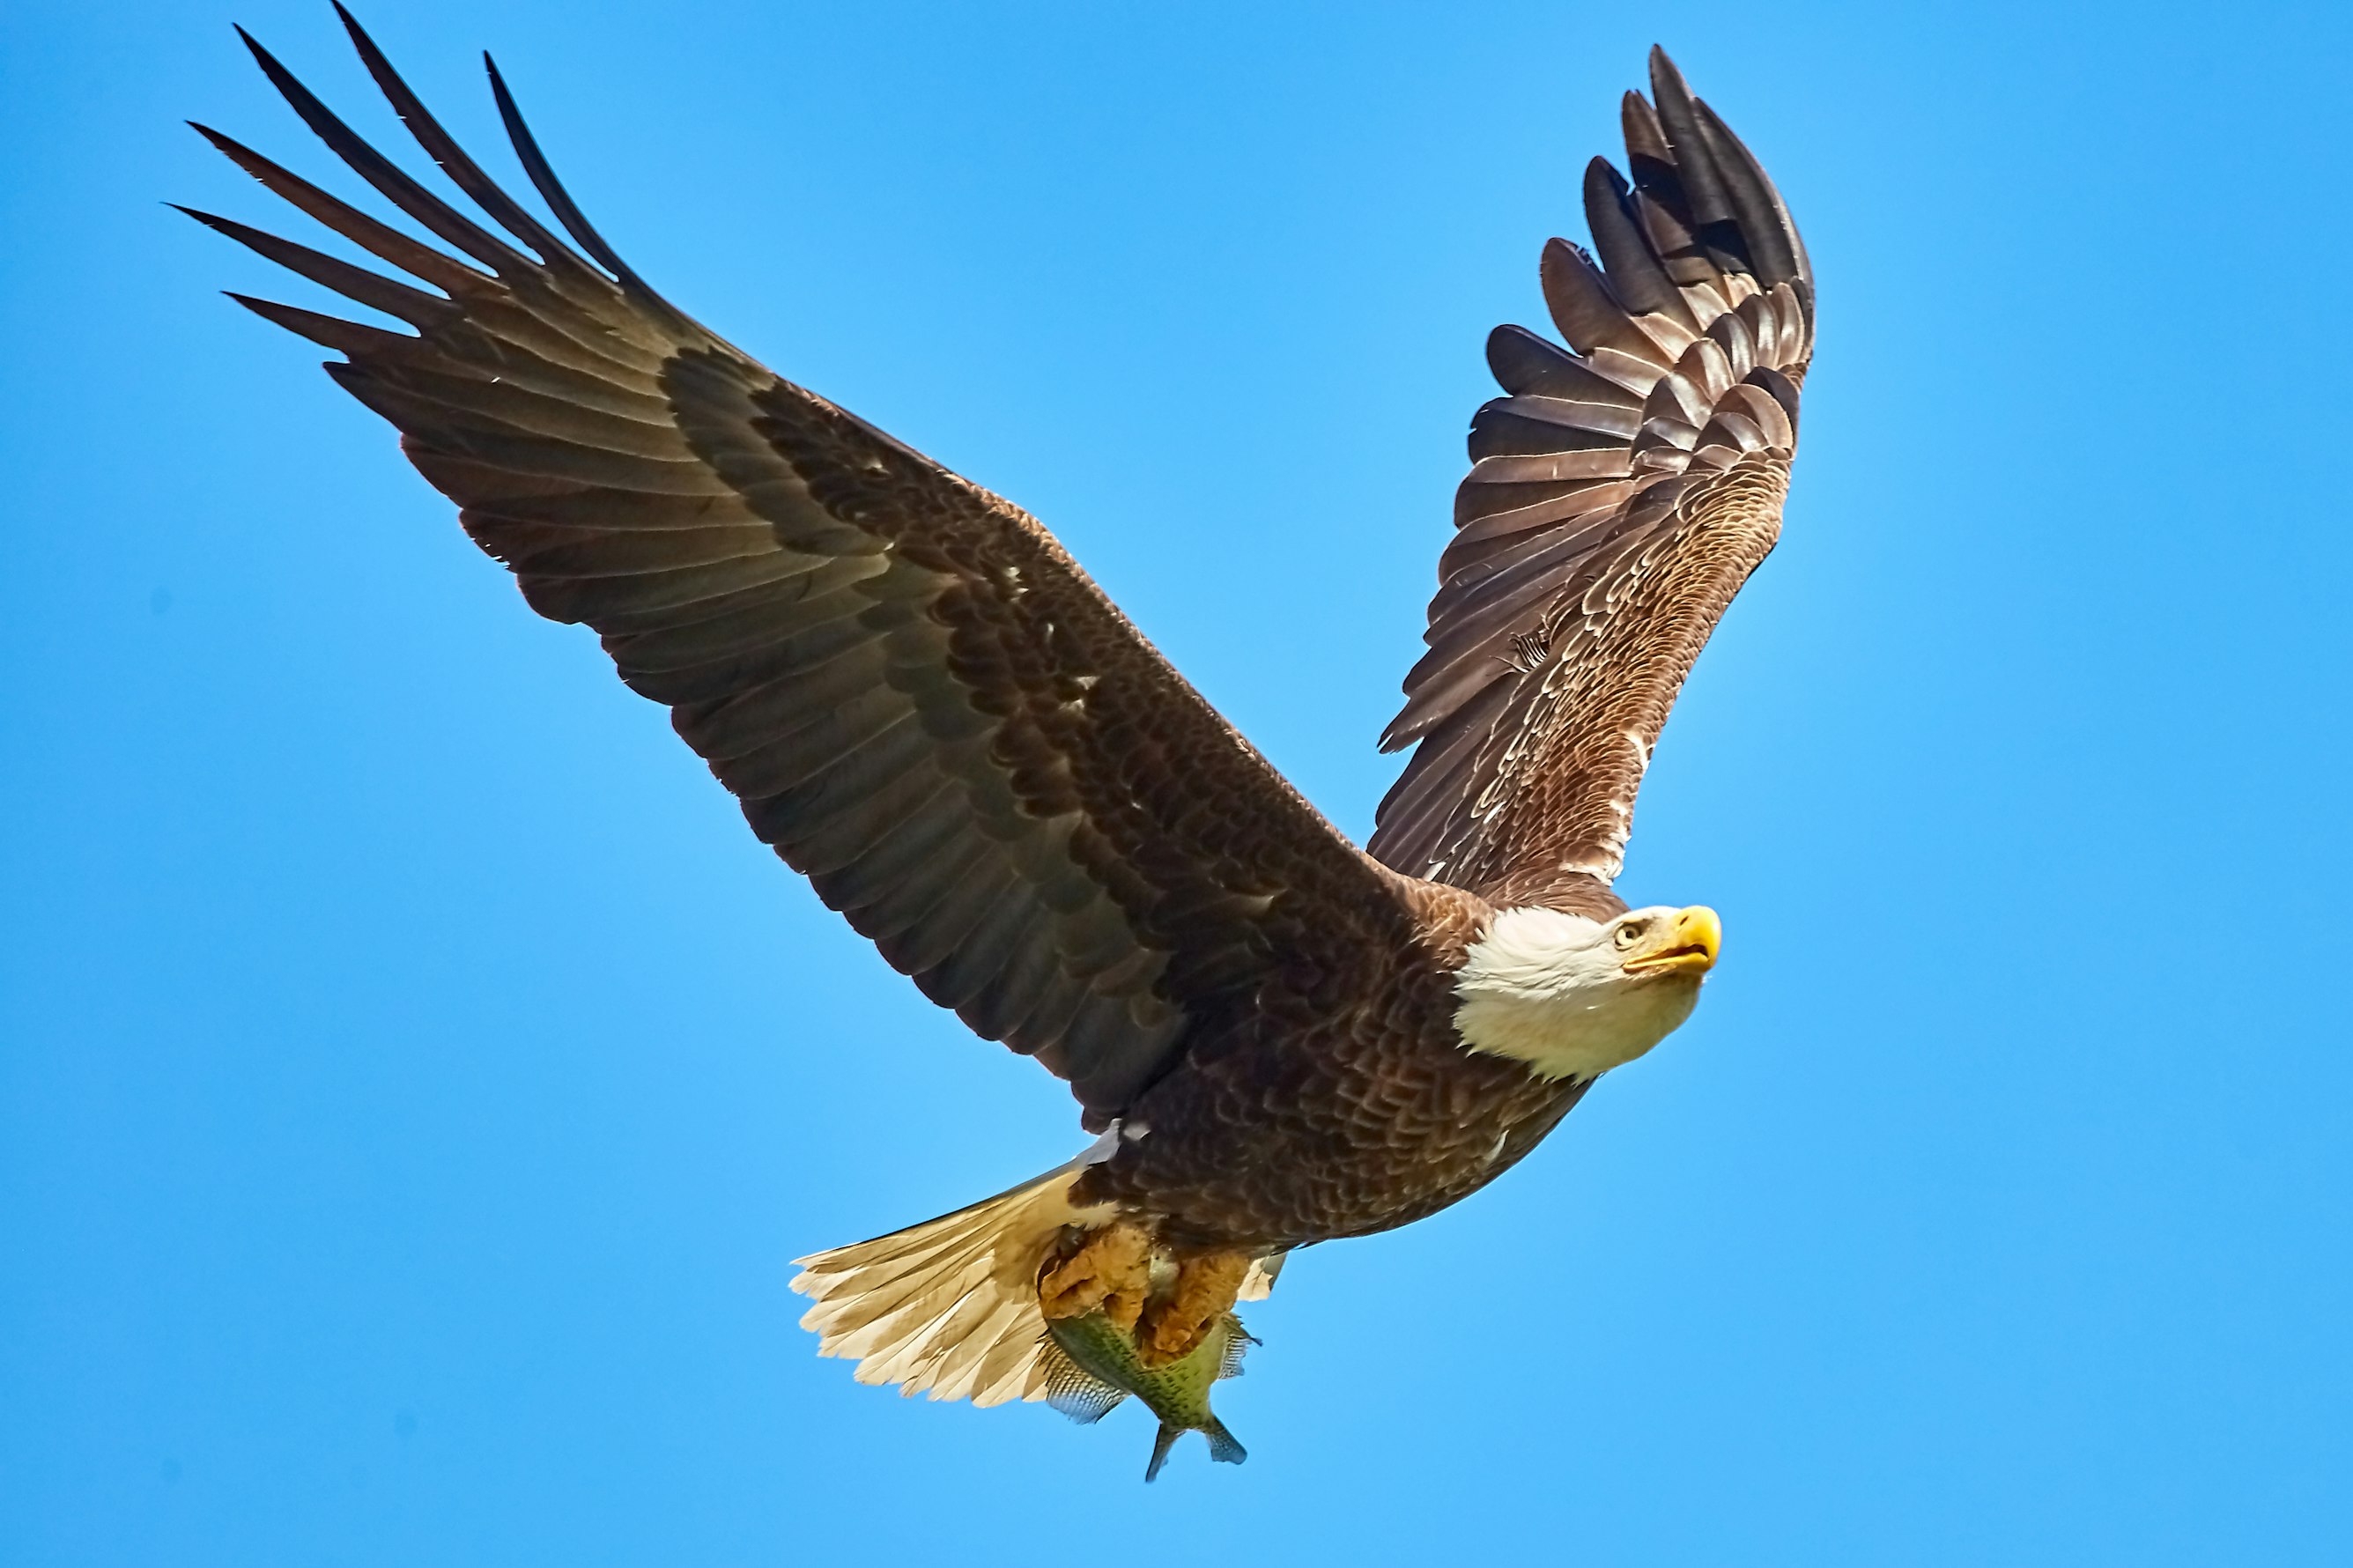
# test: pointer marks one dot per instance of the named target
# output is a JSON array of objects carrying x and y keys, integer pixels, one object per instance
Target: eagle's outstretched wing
[
  {"x": 920, "y": 701},
  {"x": 1617, "y": 499}
]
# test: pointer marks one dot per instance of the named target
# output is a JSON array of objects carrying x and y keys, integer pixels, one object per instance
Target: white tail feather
[{"x": 949, "y": 1308}]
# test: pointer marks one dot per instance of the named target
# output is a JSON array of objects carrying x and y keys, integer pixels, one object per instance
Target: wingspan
[
  {"x": 920, "y": 701},
  {"x": 1618, "y": 497}
]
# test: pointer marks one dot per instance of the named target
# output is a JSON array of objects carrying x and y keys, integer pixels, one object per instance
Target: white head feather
[{"x": 1574, "y": 997}]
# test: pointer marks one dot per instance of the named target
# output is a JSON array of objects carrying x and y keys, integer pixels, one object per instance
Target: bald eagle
[{"x": 928, "y": 709}]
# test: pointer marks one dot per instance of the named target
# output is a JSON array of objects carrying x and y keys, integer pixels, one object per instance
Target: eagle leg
[
  {"x": 1111, "y": 1269},
  {"x": 1175, "y": 1325}
]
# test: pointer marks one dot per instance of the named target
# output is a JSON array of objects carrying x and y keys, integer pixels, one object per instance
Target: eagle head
[{"x": 1572, "y": 996}]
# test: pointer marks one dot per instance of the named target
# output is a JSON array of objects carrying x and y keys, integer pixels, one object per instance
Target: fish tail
[
  {"x": 948, "y": 1307},
  {"x": 1222, "y": 1447},
  {"x": 1169, "y": 1433}
]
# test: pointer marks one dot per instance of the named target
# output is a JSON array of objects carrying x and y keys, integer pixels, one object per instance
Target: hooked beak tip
[{"x": 1689, "y": 945}]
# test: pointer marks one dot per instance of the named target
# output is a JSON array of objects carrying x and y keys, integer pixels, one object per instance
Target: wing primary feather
[
  {"x": 378, "y": 238},
  {"x": 380, "y": 172},
  {"x": 329, "y": 332},
  {"x": 357, "y": 283},
  {"x": 559, "y": 200},
  {"x": 1662, "y": 207},
  {"x": 1703, "y": 185},
  {"x": 1756, "y": 208},
  {"x": 452, "y": 159},
  {"x": 1635, "y": 274},
  {"x": 1646, "y": 138}
]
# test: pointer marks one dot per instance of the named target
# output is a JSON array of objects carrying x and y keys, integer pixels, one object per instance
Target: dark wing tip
[
  {"x": 349, "y": 339},
  {"x": 380, "y": 171},
  {"x": 229, "y": 146},
  {"x": 550, "y": 189},
  {"x": 1666, "y": 77},
  {"x": 271, "y": 66},
  {"x": 221, "y": 139},
  {"x": 369, "y": 53}
]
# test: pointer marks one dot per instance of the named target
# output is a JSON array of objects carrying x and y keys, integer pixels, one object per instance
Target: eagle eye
[{"x": 1630, "y": 933}]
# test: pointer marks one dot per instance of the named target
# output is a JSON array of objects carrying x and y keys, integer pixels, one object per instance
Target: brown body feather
[
  {"x": 928, "y": 709},
  {"x": 1340, "y": 1104}
]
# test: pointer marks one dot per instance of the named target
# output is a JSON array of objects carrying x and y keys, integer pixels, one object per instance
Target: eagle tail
[{"x": 948, "y": 1307}]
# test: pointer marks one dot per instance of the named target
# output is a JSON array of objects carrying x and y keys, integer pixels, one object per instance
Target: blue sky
[{"x": 414, "y": 1080}]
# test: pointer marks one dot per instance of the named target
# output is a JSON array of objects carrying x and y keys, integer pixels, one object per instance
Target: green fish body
[{"x": 1099, "y": 1366}]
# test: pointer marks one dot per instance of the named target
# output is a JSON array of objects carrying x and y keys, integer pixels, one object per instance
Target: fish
[{"x": 1098, "y": 1367}]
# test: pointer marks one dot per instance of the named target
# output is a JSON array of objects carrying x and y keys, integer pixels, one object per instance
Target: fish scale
[{"x": 1093, "y": 1364}]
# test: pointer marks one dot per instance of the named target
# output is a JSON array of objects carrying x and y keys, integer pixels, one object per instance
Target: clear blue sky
[{"x": 414, "y": 1079}]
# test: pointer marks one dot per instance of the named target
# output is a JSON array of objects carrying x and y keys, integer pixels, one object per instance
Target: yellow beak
[{"x": 1689, "y": 944}]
